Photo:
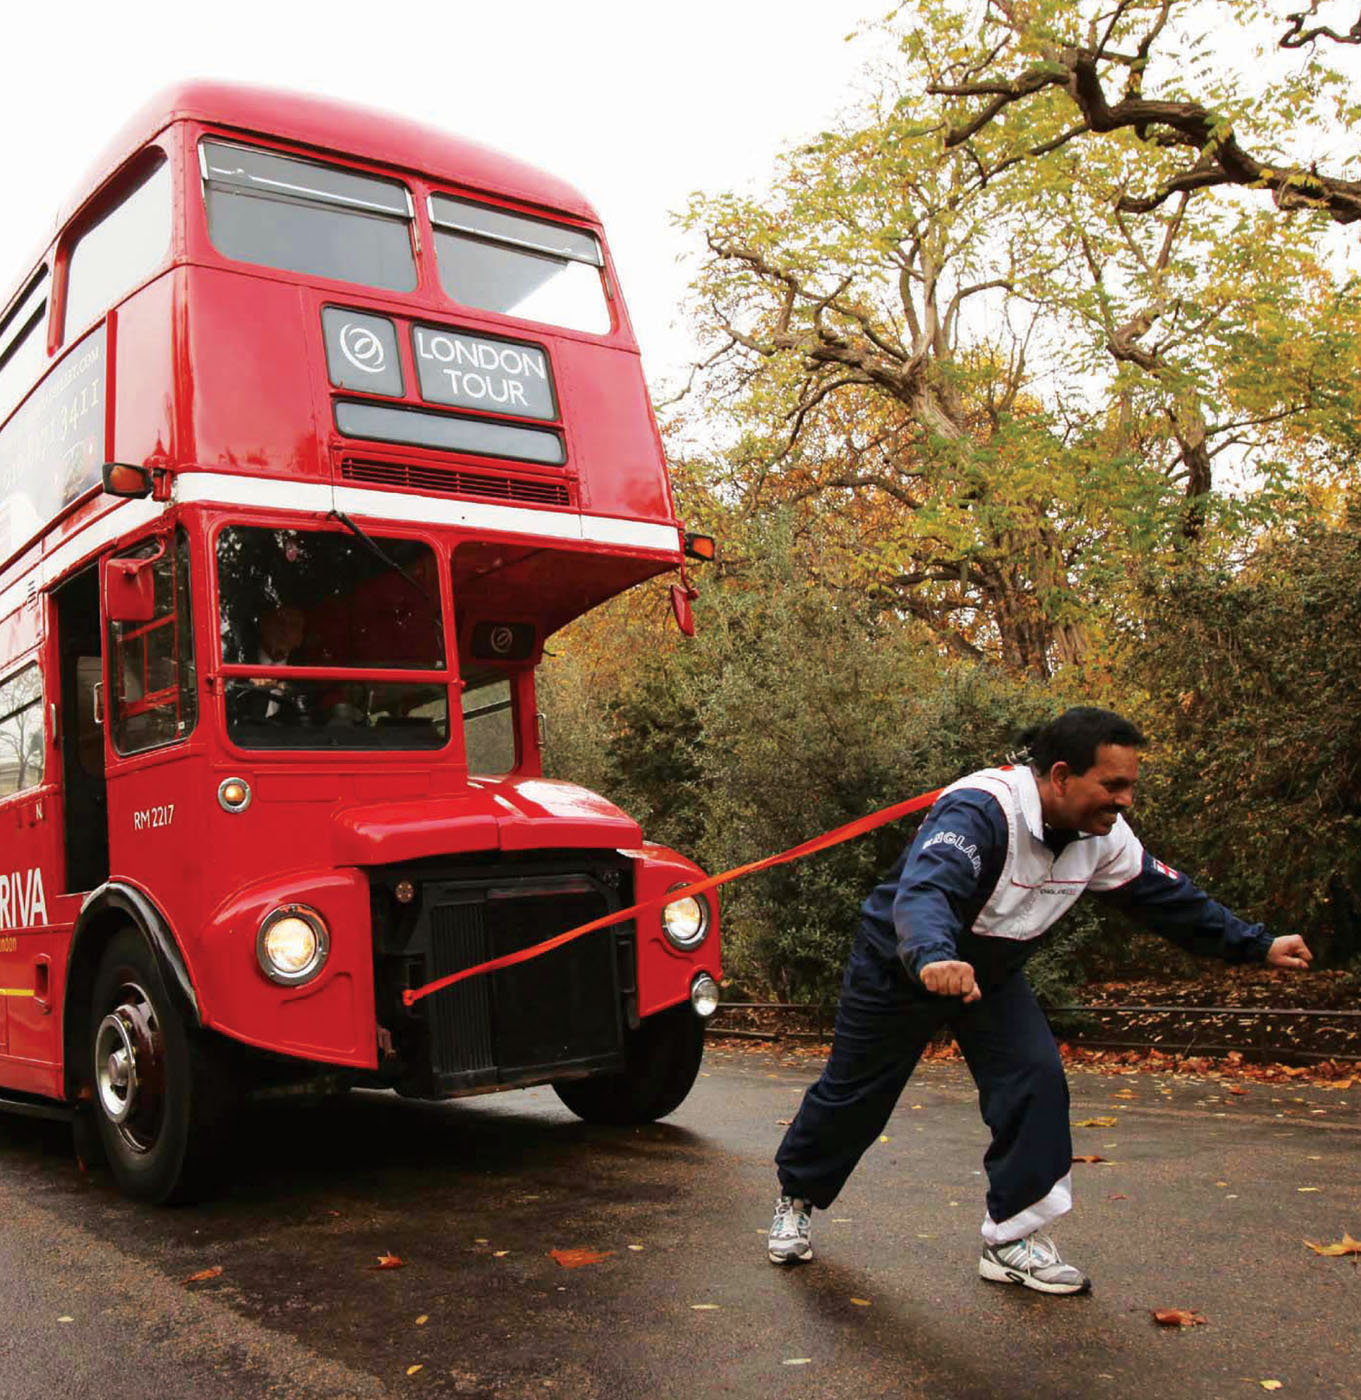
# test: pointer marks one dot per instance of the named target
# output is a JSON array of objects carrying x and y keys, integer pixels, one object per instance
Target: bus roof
[{"x": 338, "y": 128}]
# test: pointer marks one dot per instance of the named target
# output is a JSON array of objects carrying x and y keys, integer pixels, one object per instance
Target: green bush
[{"x": 1254, "y": 783}]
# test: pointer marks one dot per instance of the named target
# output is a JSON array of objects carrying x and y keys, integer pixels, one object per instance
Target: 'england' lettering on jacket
[{"x": 953, "y": 838}]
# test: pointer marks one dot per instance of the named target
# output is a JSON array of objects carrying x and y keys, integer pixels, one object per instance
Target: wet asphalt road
[{"x": 1204, "y": 1205}]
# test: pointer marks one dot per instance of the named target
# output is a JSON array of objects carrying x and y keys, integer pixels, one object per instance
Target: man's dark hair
[{"x": 1074, "y": 737}]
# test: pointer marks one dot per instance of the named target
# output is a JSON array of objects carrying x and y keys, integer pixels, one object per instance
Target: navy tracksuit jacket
[{"x": 928, "y": 909}]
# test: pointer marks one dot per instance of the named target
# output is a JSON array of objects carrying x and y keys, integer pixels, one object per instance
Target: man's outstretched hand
[
  {"x": 1289, "y": 951},
  {"x": 953, "y": 979}
]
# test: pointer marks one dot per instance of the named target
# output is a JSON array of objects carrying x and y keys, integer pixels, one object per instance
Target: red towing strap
[{"x": 807, "y": 848}]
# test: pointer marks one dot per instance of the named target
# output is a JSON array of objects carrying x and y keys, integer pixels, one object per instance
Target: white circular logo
[
  {"x": 363, "y": 349},
  {"x": 502, "y": 639}
]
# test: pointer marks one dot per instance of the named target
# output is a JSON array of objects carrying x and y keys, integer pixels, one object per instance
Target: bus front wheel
[
  {"x": 662, "y": 1058},
  {"x": 160, "y": 1099}
]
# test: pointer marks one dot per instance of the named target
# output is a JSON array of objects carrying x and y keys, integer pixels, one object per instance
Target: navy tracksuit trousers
[{"x": 883, "y": 1024}]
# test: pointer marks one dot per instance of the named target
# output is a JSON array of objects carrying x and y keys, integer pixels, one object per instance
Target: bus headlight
[
  {"x": 686, "y": 921},
  {"x": 292, "y": 944}
]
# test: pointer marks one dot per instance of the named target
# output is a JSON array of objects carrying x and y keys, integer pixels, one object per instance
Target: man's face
[{"x": 1091, "y": 801}]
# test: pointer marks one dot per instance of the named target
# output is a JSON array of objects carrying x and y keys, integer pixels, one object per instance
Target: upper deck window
[
  {"x": 22, "y": 343},
  {"x": 518, "y": 266},
  {"x": 300, "y": 216},
  {"x": 122, "y": 250}
]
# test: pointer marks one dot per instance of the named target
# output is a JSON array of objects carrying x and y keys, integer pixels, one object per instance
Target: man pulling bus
[{"x": 943, "y": 940}]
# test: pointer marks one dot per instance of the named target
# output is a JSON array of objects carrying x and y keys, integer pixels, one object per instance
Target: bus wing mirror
[
  {"x": 703, "y": 547},
  {"x": 130, "y": 589},
  {"x": 121, "y": 479},
  {"x": 680, "y": 607}
]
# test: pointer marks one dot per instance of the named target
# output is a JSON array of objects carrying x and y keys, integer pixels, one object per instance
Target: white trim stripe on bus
[
  {"x": 129, "y": 515},
  {"x": 275, "y": 493}
]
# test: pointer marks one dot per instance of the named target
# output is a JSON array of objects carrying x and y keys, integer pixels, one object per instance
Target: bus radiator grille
[
  {"x": 557, "y": 1012},
  {"x": 461, "y": 1032}
]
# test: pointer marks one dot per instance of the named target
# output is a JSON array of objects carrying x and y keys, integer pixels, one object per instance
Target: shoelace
[
  {"x": 788, "y": 1220},
  {"x": 1040, "y": 1252}
]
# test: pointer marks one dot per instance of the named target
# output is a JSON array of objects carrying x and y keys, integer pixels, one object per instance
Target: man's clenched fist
[{"x": 951, "y": 979}]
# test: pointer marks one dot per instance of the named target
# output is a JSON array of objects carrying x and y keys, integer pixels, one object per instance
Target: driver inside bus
[{"x": 282, "y": 630}]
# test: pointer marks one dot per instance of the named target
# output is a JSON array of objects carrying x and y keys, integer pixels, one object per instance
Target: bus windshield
[
  {"x": 518, "y": 266},
  {"x": 309, "y": 598},
  {"x": 302, "y": 216}
]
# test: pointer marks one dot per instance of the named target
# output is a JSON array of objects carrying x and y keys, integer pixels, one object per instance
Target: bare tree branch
[
  {"x": 1220, "y": 159},
  {"x": 1296, "y": 37}
]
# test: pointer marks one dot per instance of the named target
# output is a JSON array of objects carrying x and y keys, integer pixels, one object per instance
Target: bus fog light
[
  {"x": 704, "y": 995},
  {"x": 292, "y": 944},
  {"x": 686, "y": 921}
]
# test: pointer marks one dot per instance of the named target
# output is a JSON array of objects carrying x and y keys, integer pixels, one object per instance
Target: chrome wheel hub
[
  {"x": 116, "y": 1060},
  {"x": 128, "y": 1064}
]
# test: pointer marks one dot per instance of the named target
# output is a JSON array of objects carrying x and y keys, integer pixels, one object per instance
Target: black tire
[
  {"x": 162, "y": 1099},
  {"x": 662, "y": 1059}
]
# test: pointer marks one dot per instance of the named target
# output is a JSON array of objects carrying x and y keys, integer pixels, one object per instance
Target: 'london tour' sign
[{"x": 470, "y": 371}]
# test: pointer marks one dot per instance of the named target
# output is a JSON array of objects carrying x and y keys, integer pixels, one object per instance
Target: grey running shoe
[
  {"x": 1032, "y": 1262},
  {"x": 789, "y": 1243}
]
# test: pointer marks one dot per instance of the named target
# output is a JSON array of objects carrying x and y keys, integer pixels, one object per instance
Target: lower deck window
[{"x": 21, "y": 732}]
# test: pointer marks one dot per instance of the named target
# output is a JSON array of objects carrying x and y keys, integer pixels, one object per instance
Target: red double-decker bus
[{"x": 314, "y": 425}]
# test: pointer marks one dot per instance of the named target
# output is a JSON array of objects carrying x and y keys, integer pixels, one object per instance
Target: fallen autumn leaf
[
  {"x": 204, "y": 1275},
  {"x": 578, "y": 1258},
  {"x": 1178, "y": 1317},
  {"x": 1096, "y": 1123},
  {"x": 1091, "y": 1157},
  {"x": 389, "y": 1261},
  {"x": 1346, "y": 1245}
]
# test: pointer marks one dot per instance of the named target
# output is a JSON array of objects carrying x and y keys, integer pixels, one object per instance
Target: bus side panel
[
  {"x": 156, "y": 839},
  {"x": 143, "y": 411},
  {"x": 245, "y": 355},
  {"x": 33, "y": 938},
  {"x": 610, "y": 432}
]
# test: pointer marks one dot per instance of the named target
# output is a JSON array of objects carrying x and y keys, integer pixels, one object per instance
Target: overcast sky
[{"x": 636, "y": 103}]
